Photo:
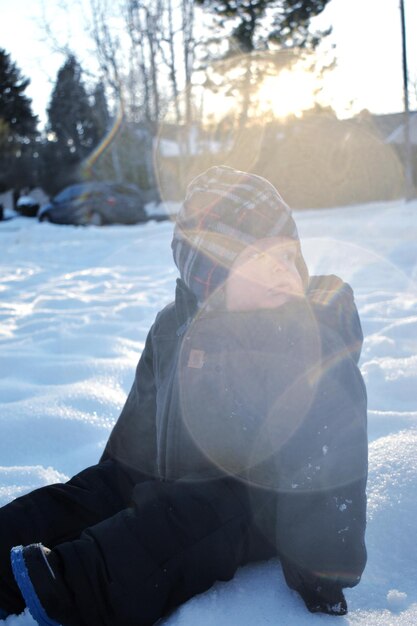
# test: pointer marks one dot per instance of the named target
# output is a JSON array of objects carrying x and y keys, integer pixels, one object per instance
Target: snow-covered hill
[{"x": 75, "y": 307}]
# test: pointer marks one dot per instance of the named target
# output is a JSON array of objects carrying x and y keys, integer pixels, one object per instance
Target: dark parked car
[{"x": 96, "y": 203}]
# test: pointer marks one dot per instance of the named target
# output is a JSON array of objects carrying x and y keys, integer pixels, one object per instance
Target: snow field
[{"x": 75, "y": 308}]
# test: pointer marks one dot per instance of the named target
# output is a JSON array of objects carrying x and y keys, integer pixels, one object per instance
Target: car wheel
[{"x": 96, "y": 219}]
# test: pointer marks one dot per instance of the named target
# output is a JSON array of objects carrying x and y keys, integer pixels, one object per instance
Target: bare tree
[
  {"x": 107, "y": 46},
  {"x": 161, "y": 35},
  {"x": 152, "y": 65}
]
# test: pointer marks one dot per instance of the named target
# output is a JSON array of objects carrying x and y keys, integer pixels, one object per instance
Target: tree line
[{"x": 156, "y": 59}]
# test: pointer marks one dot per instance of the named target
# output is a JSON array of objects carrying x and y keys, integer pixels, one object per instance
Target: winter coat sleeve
[
  {"x": 132, "y": 441},
  {"x": 321, "y": 514}
]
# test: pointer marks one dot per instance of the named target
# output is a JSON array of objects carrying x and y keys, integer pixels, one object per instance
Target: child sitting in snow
[{"x": 243, "y": 437}]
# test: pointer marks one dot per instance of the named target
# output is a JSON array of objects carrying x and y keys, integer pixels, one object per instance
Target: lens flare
[
  {"x": 237, "y": 409},
  {"x": 105, "y": 143},
  {"x": 267, "y": 113}
]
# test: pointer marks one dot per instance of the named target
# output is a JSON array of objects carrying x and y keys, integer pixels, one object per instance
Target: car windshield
[{"x": 69, "y": 193}]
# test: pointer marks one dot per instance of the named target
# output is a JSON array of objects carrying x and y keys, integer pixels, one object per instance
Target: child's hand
[
  {"x": 324, "y": 598},
  {"x": 320, "y": 595}
]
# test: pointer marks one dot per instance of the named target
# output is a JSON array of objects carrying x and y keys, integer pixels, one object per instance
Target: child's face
[{"x": 264, "y": 275}]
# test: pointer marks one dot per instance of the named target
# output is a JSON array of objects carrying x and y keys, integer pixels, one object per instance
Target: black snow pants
[{"x": 132, "y": 549}]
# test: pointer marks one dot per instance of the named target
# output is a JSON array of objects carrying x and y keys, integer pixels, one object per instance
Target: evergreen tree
[
  {"x": 290, "y": 21},
  {"x": 73, "y": 128},
  {"x": 291, "y": 24},
  {"x": 17, "y": 127}
]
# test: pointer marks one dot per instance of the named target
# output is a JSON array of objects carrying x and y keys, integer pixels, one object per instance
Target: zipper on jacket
[
  {"x": 166, "y": 461},
  {"x": 181, "y": 330}
]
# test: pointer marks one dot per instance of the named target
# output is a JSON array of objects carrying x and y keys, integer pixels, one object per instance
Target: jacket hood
[{"x": 186, "y": 304}]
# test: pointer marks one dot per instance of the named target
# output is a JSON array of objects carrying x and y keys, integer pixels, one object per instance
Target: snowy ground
[{"x": 75, "y": 306}]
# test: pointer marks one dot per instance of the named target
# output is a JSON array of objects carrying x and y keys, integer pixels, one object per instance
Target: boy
[{"x": 243, "y": 436}]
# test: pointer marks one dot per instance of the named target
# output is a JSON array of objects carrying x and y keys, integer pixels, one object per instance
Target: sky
[
  {"x": 75, "y": 308},
  {"x": 367, "y": 35}
]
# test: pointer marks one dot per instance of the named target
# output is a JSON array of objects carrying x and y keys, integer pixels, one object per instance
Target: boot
[{"x": 37, "y": 574}]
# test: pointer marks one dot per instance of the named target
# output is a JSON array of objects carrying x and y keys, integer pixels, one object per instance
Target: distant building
[{"x": 397, "y": 136}]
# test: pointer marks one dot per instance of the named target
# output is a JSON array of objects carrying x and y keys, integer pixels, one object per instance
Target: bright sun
[{"x": 291, "y": 92}]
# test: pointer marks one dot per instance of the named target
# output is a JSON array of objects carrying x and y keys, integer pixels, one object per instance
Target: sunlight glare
[{"x": 291, "y": 92}]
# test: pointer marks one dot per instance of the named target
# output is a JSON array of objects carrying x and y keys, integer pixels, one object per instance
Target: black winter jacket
[{"x": 274, "y": 397}]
